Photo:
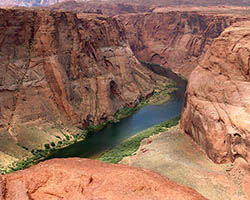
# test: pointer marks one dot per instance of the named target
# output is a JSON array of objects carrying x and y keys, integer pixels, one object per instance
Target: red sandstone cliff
[
  {"x": 173, "y": 39},
  {"x": 59, "y": 69},
  {"x": 216, "y": 112},
  {"x": 73, "y": 179}
]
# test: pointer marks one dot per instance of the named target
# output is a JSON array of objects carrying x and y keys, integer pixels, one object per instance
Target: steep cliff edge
[
  {"x": 216, "y": 112},
  {"x": 174, "y": 39},
  {"x": 58, "y": 69},
  {"x": 76, "y": 178}
]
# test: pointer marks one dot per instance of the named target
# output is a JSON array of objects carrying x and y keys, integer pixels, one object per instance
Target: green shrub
[{"x": 131, "y": 145}]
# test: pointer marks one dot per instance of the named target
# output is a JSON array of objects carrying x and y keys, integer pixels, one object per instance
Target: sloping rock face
[
  {"x": 88, "y": 179},
  {"x": 216, "y": 111},
  {"x": 57, "y": 67},
  {"x": 174, "y": 39}
]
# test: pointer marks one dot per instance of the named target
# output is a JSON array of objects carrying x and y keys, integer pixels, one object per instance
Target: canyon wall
[
  {"x": 216, "y": 112},
  {"x": 58, "y": 69},
  {"x": 174, "y": 39},
  {"x": 100, "y": 7},
  {"x": 137, "y": 3}
]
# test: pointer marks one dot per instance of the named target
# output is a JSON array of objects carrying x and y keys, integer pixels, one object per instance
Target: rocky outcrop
[
  {"x": 216, "y": 112},
  {"x": 88, "y": 179},
  {"x": 60, "y": 69},
  {"x": 2, "y": 187},
  {"x": 173, "y": 39}
]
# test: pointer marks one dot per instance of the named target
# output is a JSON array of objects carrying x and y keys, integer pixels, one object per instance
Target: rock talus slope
[
  {"x": 88, "y": 179},
  {"x": 216, "y": 110},
  {"x": 173, "y": 39}
]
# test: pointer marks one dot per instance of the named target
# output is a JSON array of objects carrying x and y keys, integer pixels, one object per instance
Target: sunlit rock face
[
  {"x": 77, "y": 178},
  {"x": 174, "y": 39},
  {"x": 59, "y": 68},
  {"x": 216, "y": 112}
]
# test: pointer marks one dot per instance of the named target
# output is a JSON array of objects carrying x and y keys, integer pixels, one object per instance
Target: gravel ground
[{"x": 177, "y": 157}]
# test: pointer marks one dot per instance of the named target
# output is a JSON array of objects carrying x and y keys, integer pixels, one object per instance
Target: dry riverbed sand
[{"x": 176, "y": 156}]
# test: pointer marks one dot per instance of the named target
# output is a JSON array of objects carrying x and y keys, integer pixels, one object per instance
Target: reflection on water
[{"x": 114, "y": 134}]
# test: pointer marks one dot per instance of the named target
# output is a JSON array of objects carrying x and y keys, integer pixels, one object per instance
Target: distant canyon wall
[
  {"x": 174, "y": 39},
  {"x": 138, "y": 3}
]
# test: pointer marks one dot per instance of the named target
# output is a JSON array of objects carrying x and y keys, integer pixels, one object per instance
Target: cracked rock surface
[
  {"x": 76, "y": 178},
  {"x": 216, "y": 111}
]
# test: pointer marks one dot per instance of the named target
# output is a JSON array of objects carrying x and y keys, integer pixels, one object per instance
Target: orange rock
[
  {"x": 216, "y": 111},
  {"x": 174, "y": 39},
  {"x": 77, "y": 178},
  {"x": 64, "y": 68},
  {"x": 2, "y": 187}
]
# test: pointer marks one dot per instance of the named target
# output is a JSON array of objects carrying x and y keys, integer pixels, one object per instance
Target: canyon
[
  {"x": 67, "y": 68},
  {"x": 175, "y": 39},
  {"x": 217, "y": 117},
  {"x": 129, "y": 3},
  {"x": 61, "y": 72}
]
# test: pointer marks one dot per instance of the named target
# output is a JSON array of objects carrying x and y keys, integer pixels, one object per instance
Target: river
[{"x": 114, "y": 134}]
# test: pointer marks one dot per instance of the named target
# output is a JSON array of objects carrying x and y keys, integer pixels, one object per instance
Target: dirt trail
[{"x": 175, "y": 156}]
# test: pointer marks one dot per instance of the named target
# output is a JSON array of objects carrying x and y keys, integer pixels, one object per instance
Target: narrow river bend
[{"x": 114, "y": 134}]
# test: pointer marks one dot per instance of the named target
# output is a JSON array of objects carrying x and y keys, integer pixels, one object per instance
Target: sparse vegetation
[
  {"x": 130, "y": 146},
  {"x": 41, "y": 154},
  {"x": 38, "y": 154}
]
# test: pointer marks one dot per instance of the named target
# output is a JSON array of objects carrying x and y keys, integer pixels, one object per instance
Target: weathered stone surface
[
  {"x": 77, "y": 178},
  {"x": 216, "y": 111},
  {"x": 62, "y": 69},
  {"x": 173, "y": 39},
  {"x": 2, "y": 187}
]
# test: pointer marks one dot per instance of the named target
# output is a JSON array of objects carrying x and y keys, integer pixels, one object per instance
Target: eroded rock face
[
  {"x": 2, "y": 187},
  {"x": 216, "y": 111},
  {"x": 88, "y": 179},
  {"x": 62, "y": 68},
  {"x": 173, "y": 39}
]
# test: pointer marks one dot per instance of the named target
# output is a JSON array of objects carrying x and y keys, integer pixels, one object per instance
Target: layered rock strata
[
  {"x": 174, "y": 39},
  {"x": 101, "y": 7},
  {"x": 88, "y": 179},
  {"x": 58, "y": 69},
  {"x": 216, "y": 112}
]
